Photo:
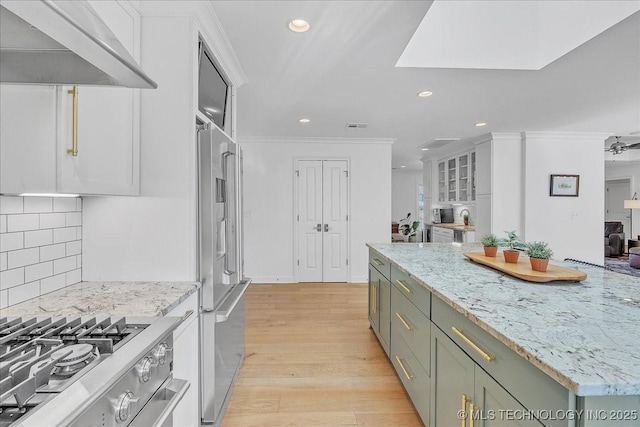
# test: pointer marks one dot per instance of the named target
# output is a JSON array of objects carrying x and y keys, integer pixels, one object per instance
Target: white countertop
[
  {"x": 107, "y": 299},
  {"x": 585, "y": 335}
]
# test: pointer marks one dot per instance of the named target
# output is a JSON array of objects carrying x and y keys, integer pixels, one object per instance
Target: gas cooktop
[{"x": 40, "y": 358}]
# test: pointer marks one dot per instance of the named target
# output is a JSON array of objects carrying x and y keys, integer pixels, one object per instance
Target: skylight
[{"x": 516, "y": 35}]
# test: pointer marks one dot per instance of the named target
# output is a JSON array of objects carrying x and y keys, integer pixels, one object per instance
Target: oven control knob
[
  {"x": 127, "y": 404},
  {"x": 143, "y": 368},
  {"x": 161, "y": 352}
]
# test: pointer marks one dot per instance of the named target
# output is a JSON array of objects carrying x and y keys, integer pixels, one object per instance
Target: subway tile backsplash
[{"x": 40, "y": 246}]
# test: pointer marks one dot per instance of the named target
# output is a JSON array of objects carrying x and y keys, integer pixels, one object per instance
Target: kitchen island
[{"x": 480, "y": 338}]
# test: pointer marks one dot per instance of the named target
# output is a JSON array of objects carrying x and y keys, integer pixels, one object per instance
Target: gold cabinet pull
[
  {"x": 375, "y": 299},
  {"x": 187, "y": 314},
  {"x": 378, "y": 262},
  {"x": 74, "y": 122},
  {"x": 465, "y": 399},
  {"x": 486, "y": 356},
  {"x": 404, "y": 322},
  {"x": 404, "y": 286},
  {"x": 404, "y": 370},
  {"x": 471, "y": 410}
]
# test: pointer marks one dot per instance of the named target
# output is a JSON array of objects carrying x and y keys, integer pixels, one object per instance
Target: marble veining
[
  {"x": 584, "y": 335},
  {"x": 107, "y": 299}
]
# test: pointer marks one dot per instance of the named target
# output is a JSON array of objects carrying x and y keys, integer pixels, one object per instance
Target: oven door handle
[
  {"x": 230, "y": 302},
  {"x": 162, "y": 404}
]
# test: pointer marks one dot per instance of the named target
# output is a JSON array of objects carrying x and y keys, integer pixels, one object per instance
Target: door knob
[
  {"x": 319, "y": 227},
  {"x": 326, "y": 228}
]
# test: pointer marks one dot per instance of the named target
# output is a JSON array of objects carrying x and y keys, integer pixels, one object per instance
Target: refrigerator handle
[{"x": 230, "y": 302}]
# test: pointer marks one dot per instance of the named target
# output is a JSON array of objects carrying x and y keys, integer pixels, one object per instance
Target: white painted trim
[
  {"x": 273, "y": 280},
  {"x": 572, "y": 135},
  {"x": 506, "y": 136},
  {"x": 306, "y": 140},
  {"x": 359, "y": 279}
]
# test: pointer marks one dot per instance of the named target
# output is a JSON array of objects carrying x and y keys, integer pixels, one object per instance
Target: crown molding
[
  {"x": 600, "y": 136},
  {"x": 222, "y": 48},
  {"x": 209, "y": 27}
]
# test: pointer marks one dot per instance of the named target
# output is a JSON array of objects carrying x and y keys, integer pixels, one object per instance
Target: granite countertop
[
  {"x": 107, "y": 299},
  {"x": 584, "y": 335},
  {"x": 454, "y": 226}
]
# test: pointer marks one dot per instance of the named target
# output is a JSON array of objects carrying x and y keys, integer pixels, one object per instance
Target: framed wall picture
[{"x": 564, "y": 185}]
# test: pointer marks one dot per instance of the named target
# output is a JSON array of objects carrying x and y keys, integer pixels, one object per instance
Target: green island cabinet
[
  {"x": 455, "y": 373},
  {"x": 380, "y": 299}
]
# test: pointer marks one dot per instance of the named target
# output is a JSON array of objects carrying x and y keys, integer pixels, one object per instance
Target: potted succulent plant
[
  {"x": 408, "y": 227},
  {"x": 539, "y": 254},
  {"x": 490, "y": 244},
  {"x": 511, "y": 254}
]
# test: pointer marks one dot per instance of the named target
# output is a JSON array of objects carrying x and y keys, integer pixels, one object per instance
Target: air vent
[{"x": 356, "y": 125}]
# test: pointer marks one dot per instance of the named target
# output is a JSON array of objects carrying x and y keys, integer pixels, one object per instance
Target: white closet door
[
  {"x": 310, "y": 221},
  {"x": 334, "y": 206},
  {"x": 322, "y": 221}
]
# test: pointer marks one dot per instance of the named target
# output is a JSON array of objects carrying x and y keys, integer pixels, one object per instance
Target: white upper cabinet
[{"x": 37, "y": 127}]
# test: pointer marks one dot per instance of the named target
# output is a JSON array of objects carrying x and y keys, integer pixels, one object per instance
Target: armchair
[{"x": 613, "y": 239}]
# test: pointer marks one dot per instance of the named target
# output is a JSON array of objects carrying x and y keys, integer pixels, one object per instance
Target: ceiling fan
[{"x": 620, "y": 146}]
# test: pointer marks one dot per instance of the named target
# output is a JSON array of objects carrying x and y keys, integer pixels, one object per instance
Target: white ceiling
[{"x": 343, "y": 70}]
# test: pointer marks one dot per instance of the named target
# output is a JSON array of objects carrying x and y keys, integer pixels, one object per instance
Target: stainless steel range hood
[{"x": 63, "y": 42}]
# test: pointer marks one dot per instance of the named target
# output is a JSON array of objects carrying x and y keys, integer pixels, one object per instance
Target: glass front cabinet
[
  {"x": 456, "y": 178},
  {"x": 442, "y": 192}
]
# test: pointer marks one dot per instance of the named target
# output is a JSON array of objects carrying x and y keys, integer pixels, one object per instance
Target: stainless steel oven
[{"x": 88, "y": 371}]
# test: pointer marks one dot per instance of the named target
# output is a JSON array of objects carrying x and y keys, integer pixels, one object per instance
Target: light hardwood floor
[{"x": 311, "y": 360}]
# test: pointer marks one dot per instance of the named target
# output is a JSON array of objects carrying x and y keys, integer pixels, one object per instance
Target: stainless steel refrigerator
[{"x": 220, "y": 270}]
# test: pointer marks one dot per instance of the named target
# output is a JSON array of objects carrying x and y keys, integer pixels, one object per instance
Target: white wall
[
  {"x": 269, "y": 202},
  {"x": 507, "y": 177},
  {"x": 153, "y": 237},
  {"x": 404, "y": 193},
  {"x": 631, "y": 171},
  {"x": 571, "y": 225}
]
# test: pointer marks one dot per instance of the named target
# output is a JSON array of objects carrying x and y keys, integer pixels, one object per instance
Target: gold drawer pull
[
  {"x": 404, "y": 286},
  {"x": 378, "y": 262},
  {"x": 187, "y": 314},
  {"x": 406, "y": 373},
  {"x": 486, "y": 356},
  {"x": 404, "y": 322}
]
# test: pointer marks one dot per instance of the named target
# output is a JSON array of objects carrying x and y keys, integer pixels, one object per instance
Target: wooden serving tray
[{"x": 522, "y": 269}]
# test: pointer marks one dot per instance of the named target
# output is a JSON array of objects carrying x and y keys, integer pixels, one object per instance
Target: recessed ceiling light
[
  {"x": 304, "y": 120},
  {"x": 298, "y": 25},
  {"x": 425, "y": 93},
  {"x": 425, "y": 149},
  {"x": 403, "y": 166},
  {"x": 480, "y": 124}
]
